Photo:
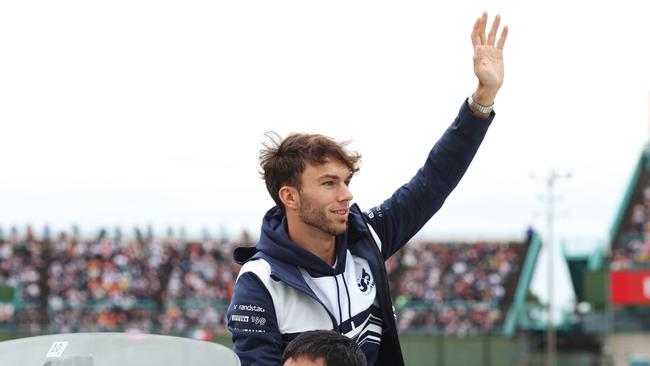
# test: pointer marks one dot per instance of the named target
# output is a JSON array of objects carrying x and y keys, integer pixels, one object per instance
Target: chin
[{"x": 340, "y": 229}]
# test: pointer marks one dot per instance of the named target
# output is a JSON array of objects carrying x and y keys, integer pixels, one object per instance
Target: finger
[
  {"x": 502, "y": 39},
  {"x": 481, "y": 30},
  {"x": 476, "y": 39},
  {"x": 493, "y": 31}
]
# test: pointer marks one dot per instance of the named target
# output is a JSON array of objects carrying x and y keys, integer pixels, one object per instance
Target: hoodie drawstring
[
  {"x": 349, "y": 302},
  {"x": 338, "y": 298}
]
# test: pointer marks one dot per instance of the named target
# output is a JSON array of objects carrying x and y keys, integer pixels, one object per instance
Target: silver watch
[{"x": 479, "y": 108}]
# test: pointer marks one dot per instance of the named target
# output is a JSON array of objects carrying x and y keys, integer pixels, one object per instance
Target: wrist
[
  {"x": 479, "y": 110},
  {"x": 485, "y": 95}
]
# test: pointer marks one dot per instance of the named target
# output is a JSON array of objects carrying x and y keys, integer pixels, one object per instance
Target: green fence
[{"x": 449, "y": 350}]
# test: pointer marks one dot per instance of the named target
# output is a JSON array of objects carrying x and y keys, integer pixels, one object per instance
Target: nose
[{"x": 346, "y": 194}]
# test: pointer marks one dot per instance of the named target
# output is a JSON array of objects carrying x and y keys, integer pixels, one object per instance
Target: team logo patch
[{"x": 365, "y": 282}]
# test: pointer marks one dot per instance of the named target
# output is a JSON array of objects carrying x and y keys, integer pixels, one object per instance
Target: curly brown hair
[{"x": 283, "y": 160}]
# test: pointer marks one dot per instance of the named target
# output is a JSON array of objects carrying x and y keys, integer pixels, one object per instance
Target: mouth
[{"x": 341, "y": 214}]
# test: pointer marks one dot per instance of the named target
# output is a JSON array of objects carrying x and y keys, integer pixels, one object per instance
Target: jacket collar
[{"x": 284, "y": 254}]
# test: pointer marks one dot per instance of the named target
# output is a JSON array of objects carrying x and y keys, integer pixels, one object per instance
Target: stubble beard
[{"x": 316, "y": 217}]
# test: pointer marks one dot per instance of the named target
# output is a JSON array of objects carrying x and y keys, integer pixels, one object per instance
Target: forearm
[{"x": 398, "y": 218}]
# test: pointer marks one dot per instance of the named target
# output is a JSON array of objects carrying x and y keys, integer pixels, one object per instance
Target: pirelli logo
[{"x": 239, "y": 318}]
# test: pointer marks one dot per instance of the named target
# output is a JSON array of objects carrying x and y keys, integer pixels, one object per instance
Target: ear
[{"x": 289, "y": 197}]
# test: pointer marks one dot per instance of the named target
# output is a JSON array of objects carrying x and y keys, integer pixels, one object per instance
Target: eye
[
  {"x": 347, "y": 182},
  {"x": 328, "y": 183}
]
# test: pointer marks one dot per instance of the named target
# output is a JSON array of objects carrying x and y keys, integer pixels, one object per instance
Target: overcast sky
[{"x": 124, "y": 113}]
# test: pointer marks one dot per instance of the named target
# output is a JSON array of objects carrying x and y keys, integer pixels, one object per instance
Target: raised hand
[{"x": 488, "y": 59}]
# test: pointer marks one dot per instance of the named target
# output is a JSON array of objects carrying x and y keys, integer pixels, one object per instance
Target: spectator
[
  {"x": 323, "y": 348},
  {"x": 178, "y": 287},
  {"x": 454, "y": 288}
]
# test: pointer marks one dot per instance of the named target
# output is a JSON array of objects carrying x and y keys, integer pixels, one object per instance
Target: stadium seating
[
  {"x": 455, "y": 288},
  {"x": 631, "y": 244},
  {"x": 173, "y": 286}
]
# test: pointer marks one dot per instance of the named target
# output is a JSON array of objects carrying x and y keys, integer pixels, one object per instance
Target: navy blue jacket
[{"x": 281, "y": 289}]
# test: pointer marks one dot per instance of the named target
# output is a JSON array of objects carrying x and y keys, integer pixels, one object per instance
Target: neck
[{"x": 314, "y": 240}]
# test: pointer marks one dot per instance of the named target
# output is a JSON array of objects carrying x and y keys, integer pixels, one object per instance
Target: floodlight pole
[{"x": 551, "y": 343}]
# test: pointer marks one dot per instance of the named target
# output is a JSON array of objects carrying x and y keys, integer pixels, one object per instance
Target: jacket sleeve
[
  {"x": 401, "y": 216},
  {"x": 253, "y": 324}
]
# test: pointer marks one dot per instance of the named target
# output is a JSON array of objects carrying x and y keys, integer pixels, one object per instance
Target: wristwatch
[{"x": 479, "y": 108}]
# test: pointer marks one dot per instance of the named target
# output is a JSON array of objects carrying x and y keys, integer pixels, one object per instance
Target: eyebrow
[{"x": 334, "y": 176}]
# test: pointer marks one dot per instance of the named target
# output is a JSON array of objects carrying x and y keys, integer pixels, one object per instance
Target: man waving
[{"x": 319, "y": 263}]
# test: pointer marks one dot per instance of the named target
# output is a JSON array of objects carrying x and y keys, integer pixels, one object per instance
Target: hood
[{"x": 275, "y": 242}]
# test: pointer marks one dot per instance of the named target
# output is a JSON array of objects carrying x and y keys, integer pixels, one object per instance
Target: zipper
[{"x": 384, "y": 300}]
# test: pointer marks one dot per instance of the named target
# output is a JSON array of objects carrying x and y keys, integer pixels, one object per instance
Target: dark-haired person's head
[
  {"x": 323, "y": 348},
  {"x": 283, "y": 161}
]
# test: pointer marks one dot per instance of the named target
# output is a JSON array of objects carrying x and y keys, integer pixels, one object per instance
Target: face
[
  {"x": 304, "y": 361},
  {"x": 325, "y": 197}
]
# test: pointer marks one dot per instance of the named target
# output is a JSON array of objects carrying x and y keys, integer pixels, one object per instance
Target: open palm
[{"x": 488, "y": 55}]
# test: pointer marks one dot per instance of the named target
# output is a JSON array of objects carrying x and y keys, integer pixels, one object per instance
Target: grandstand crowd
[
  {"x": 465, "y": 283},
  {"x": 174, "y": 286},
  {"x": 633, "y": 248}
]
